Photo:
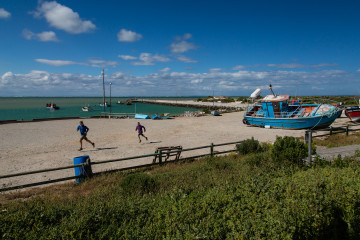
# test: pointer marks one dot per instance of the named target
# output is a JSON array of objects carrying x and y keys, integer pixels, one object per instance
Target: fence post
[
  {"x": 212, "y": 149},
  {"x": 309, "y": 145},
  {"x": 347, "y": 130},
  {"x": 331, "y": 129},
  {"x": 160, "y": 156}
]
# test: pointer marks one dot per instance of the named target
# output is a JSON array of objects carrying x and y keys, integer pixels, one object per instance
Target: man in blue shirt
[{"x": 83, "y": 131}]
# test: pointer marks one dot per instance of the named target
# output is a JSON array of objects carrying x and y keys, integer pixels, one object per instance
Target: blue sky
[{"x": 179, "y": 48}]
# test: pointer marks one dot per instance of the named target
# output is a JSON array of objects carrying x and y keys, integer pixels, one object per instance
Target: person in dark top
[
  {"x": 83, "y": 131},
  {"x": 140, "y": 128}
]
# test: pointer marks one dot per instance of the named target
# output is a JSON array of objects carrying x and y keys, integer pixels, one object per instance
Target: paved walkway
[{"x": 331, "y": 153}]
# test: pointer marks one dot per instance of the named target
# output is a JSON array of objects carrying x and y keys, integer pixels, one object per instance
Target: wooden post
[
  {"x": 160, "y": 156},
  {"x": 309, "y": 145},
  {"x": 212, "y": 149},
  {"x": 306, "y": 137},
  {"x": 347, "y": 130}
]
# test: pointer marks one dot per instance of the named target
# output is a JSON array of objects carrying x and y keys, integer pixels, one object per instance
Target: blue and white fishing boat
[{"x": 275, "y": 111}]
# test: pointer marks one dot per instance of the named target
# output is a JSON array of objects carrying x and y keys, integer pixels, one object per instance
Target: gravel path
[{"x": 330, "y": 153}]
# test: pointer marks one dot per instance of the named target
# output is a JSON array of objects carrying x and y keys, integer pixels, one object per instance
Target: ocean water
[{"x": 28, "y": 108}]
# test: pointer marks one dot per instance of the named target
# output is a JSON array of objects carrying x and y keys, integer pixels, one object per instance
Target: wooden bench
[{"x": 167, "y": 153}]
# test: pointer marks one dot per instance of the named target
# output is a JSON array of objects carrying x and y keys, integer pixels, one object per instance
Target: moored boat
[
  {"x": 87, "y": 109},
  {"x": 52, "y": 106},
  {"x": 276, "y": 112},
  {"x": 106, "y": 104}
]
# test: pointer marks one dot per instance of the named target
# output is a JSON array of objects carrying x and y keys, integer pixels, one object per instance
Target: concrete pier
[{"x": 234, "y": 106}]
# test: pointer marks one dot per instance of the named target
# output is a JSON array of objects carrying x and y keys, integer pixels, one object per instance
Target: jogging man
[
  {"x": 83, "y": 131},
  {"x": 140, "y": 128}
]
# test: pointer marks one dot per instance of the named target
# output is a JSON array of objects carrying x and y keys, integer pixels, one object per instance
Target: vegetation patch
[
  {"x": 230, "y": 197},
  {"x": 338, "y": 140}
]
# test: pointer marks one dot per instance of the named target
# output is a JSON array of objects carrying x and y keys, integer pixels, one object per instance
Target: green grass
[
  {"x": 338, "y": 140},
  {"x": 231, "y": 197}
]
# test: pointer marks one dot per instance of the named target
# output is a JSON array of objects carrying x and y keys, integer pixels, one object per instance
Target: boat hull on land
[{"x": 276, "y": 112}]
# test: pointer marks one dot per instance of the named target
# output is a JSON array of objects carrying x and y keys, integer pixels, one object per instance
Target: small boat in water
[
  {"x": 87, "y": 109},
  {"x": 52, "y": 106},
  {"x": 106, "y": 104},
  {"x": 128, "y": 102},
  {"x": 120, "y": 102},
  {"x": 275, "y": 111}
]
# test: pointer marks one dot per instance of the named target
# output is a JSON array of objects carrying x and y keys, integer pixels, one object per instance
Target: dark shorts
[{"x": 83, "y": 137}]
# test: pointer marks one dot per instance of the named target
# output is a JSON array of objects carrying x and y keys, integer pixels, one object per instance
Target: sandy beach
[{"x": 49, "y": 144}]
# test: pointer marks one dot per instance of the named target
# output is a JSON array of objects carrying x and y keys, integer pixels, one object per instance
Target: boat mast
[{"x": 103, "y": 90}]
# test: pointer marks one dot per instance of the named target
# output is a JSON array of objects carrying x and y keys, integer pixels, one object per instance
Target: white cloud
[
  {"x": 48, "y": 36},
  {"x": 57, "y": 63},
  {"x": 127, "y": 57},
  {"x": 4, "y": 13},
  {"x": 181, "y": 47},
  {"x": 296, "y": 65},
  {"x": 182, "y": 58},
  {"x": 196, "y": 81},
  {"x": 241, "y": 83},
  {"x": 215, "y": 69},
  {"x": 165, "y": 69},
  {"x": 102, "y": 63},
  {"x": 238, "y": 67},
  {"x": 147, "y": 59},
  {"x": 128, "y": 36},
  {"x": 64, "y": 18}
]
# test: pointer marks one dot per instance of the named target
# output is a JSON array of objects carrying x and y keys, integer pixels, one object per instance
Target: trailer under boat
[{"x": 276, "y": 112}]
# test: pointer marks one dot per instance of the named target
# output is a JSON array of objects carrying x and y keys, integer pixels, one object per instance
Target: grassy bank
[
  {"x": 338, "y": 140},
  {"x": 232, "y": 197}
]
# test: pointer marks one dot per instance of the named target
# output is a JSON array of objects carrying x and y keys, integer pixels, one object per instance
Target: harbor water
[{"x": 29, "y": 108}]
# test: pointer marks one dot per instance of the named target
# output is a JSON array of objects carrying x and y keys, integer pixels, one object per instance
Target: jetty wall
[{"x": 192, "y": 104}]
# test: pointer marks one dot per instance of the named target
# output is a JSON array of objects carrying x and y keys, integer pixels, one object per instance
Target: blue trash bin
[{"x": 82, "y": 171}]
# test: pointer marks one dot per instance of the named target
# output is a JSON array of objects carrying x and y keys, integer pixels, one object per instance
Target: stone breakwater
[{"x": 238, "y": 106}]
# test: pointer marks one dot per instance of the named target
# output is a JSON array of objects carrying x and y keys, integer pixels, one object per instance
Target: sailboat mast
[{"x": 103, "y": 90}]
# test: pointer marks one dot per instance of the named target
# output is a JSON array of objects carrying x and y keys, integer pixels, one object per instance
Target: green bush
[
  {"x": 249, "y": 146},
  {"x": 257, "y": 159},
  {"x": 138, "y": 183},
  {"x": 288, "y": 149}
]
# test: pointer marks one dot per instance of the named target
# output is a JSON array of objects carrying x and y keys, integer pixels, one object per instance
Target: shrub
[
  {"x": 257, "y": 159},
  {"x": 138, "y": 183},
  {"x": 288, "y": 149},
  {"x": 249, "y": 146}
]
